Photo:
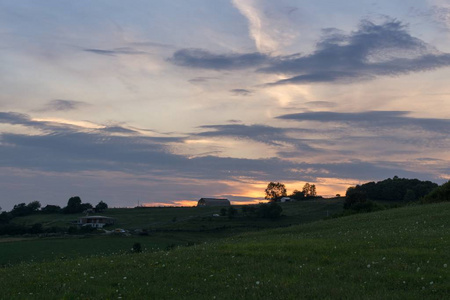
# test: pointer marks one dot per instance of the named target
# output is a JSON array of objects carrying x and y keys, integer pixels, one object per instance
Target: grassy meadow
[
  {"x": 167, "y": 227},
  {"x": 400, "y": 253}
]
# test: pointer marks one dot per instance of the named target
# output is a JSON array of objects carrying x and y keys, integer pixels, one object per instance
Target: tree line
[
  {"x": 396, "y": 191},
  {"x": 74, "y": 206},
  {"x": 275, "y": 191}
]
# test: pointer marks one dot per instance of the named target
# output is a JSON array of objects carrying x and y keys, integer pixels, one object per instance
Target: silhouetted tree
[
  {"x": 309, "y": 190},
  {"x": 396, "y": 189},
  {"x": 297, "y": 195},
  {"x": 51, "y": 209},
  {"x": 101, "y": 206},
  {"x": 34, "y": 206},
  {"x": 73, "y": 205},
  {"x": 439, "y": 194},
  {"x": 355, "y": 199},
  {"x": 275, "y": 191}
]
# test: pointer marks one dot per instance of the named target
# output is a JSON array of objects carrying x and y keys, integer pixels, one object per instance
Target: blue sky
[{"x": 164, "y": 102}]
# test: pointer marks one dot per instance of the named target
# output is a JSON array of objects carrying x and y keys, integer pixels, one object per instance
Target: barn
[{"x": 213, "y": 202}]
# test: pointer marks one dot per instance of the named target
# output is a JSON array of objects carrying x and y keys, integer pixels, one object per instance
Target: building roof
[{"x": 213, "y": 202}]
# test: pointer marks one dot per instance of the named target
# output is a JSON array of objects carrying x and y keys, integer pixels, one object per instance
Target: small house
[
  {"x": 213, "y": 202},
  {"x": 95, "y": 221},
  {"x": 285, "y": 199}
]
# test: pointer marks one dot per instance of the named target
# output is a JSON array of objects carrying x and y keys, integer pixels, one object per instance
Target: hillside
[
  {"x": 399, "y": 253},
  {"x": 167, "y": 227}
]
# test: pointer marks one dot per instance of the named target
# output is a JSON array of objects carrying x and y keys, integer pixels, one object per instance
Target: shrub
[
  {"x": 270, "y": 210},
  {"x": 355, "y": 199},
  {"x": 136, "y": 248},
  {"x": 439, "y": 194}
]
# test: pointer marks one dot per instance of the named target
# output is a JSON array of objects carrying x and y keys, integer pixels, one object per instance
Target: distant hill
[{"x": 397, "y": 189}]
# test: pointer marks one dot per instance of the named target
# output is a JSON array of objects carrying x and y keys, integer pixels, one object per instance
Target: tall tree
[
  {"x": 73, "y": 205},
  {"x": 275, "y": 190},
  {"x": 309, "y": 190},
  {"x": 101, "y": 206}
]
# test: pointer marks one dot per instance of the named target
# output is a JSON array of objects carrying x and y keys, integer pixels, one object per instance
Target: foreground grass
[{"x": 396, "y": 254}]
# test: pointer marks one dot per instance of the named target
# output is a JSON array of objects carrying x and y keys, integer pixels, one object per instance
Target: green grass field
[
  {"x": 162, "y": 217},
  {"x": 168, "y": 227},
  {"x": 400, "y": 253}
]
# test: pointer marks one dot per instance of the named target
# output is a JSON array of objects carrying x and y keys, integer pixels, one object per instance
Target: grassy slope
[
  {"x": 162, "y": 217},
  {"x": 400, "y": 253},
  {"x": 193, "y": 225}
]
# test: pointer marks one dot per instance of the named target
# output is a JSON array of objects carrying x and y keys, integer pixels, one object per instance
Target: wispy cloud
[
  {"x": 116, "y": 51},
  {"x": 374, "y": 119},
  {"x": 268, "y": 24},
  {"x": 63, "y": 105}
]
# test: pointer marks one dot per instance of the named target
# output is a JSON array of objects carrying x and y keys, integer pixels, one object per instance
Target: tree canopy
[
  {"x": 397, "y": 189},
  {"x": 309, "y": 190},
  {"x": 275, "y": 190},
  {"x": 439, "y": 194}
]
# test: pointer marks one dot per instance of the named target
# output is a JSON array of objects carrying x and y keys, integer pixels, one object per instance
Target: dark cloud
[
  {"x": 392, "y": 119},
  {"x": 260, "y": 133},
  {"x": 25, "y": 120},
  {"x": 14, "y": 118},
  {"x": 372, "y": 50},
  {"x": 201, "y": 79},
  {"x": 116, "y": 51},
  {"x": 241, "y": 92},
  {"x": 63, "y": 105},
  {"x": 202, "y": 59}
]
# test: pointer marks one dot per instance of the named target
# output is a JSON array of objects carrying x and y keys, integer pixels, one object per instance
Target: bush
[
  {"x": 355, "y": 199},
  {"x": 136, "y": 248},
  {"x": 270, "y": 210},
  {"x": 439, "y": 194}
]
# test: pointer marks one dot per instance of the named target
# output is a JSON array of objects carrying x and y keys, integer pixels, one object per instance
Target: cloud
[
  {"x": 14, "y": 118},
  {"x": 202, "y": 59},
  {"x": 116, "y": 51},
  {"x": 373, "y": 50},
  {"x": 118, "y": 129},
  {"x": 269, "y": 25},
  {"x": 392, "y": 119},
  {"x": 63, "y": 105},
  {"x": 241, "y": 92},
  {"x": 201, "y": 79},
  {"x": 269, "y": 135}
]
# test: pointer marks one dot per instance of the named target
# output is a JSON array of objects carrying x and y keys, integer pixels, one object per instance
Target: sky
[{"x": 164, "y": 102}]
